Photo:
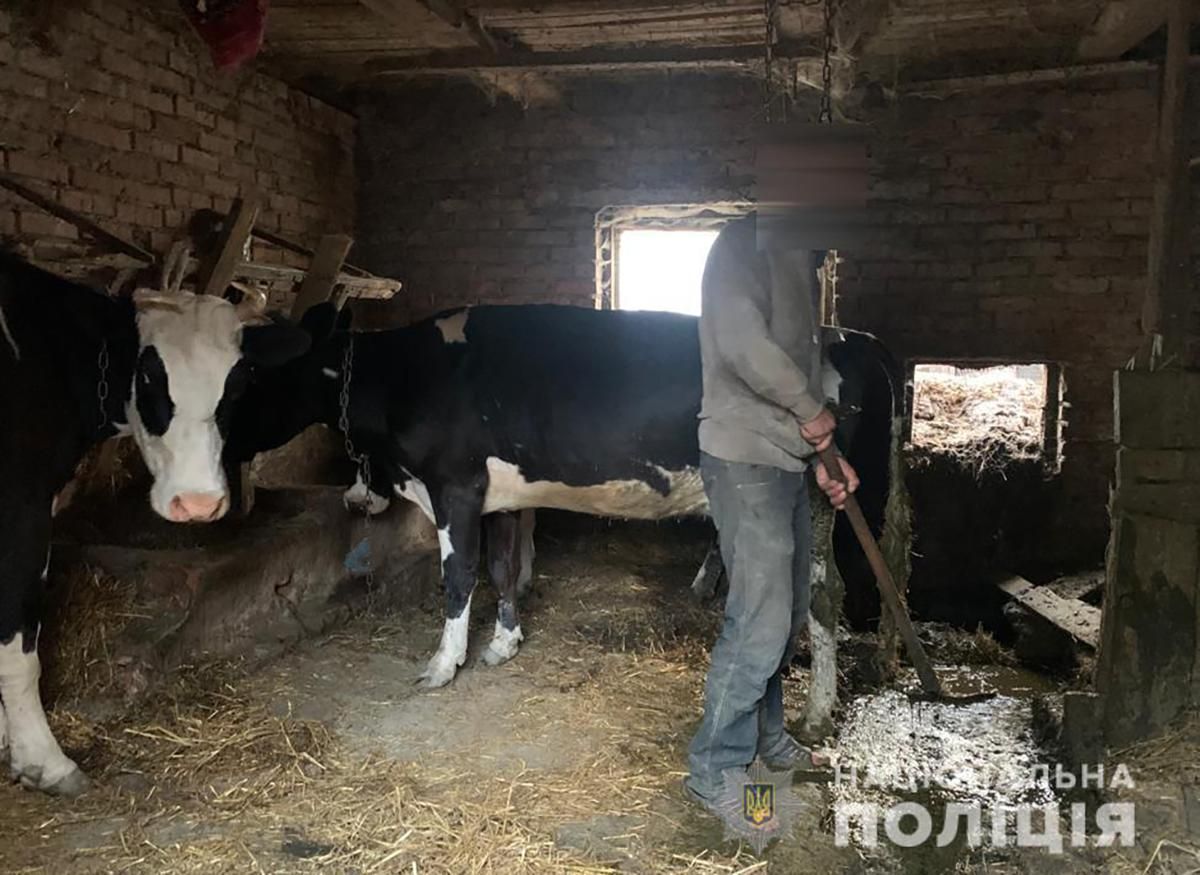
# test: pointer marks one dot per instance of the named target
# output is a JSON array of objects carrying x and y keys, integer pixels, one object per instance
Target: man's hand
[
  {"x": 818, "y": 431},
  {"x": 837, "y": 491}
]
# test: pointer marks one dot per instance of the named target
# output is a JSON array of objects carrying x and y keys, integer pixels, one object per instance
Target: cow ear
[{"x": 273, "y": 344}]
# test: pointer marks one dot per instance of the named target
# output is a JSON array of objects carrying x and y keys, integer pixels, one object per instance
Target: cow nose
[{"x": 197, "y": 507}]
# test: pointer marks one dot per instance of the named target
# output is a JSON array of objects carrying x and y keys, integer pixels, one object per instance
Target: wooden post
[
  {"x": 322, "y": 273},
  {"x": 1165, "y": 312},
  {"x": 216, "y": 271},
  {"x": 215, "y": 274}
]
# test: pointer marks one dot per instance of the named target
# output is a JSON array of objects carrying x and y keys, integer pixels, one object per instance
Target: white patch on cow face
[
  {"x": 198, "y": 339},
  {"x": 330, "y": 373},
  {"x": 35, "y": 759},
  {"x": 414, "y": 490},
  {"x": 624, "y": 499},
  {"x": 454, "y": 327},
  {"x": 12, "y": 342}
]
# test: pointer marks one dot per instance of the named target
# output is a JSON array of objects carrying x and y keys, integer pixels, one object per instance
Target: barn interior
[{"x": 242, "y": 694}]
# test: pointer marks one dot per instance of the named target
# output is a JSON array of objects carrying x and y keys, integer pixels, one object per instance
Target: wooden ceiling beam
[
  {"x": 590, "y": 60},
  {"x": 460, "y": 19},
  {"x": 1121, "y": 26}
]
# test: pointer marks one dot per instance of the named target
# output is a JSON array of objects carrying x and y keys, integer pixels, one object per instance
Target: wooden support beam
[
  {"x": 591, "y": 60},
  {"x": 299, "y": 249},
  {"x": 459, "y": 19},
  {"x": 1121, "y": 26},
  {"x": 1165, "y": 312},
  {"x": 322, "y": 273},
  {"x": 217, "y": 270},
  {"x": 84, "y": 224}
]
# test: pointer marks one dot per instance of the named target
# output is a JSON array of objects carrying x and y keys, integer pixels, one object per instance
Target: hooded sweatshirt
[{"x": 760, "y": 351}]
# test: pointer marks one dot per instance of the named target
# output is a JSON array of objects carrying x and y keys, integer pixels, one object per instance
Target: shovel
[{"x": 930, "y": 685}]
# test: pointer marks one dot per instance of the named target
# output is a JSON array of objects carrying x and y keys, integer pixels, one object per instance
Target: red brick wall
[
  {"x": 119, "y": 115},
  {"x": 1012, "y": 224}
]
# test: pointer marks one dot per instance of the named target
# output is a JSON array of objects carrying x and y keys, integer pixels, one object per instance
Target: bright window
[{"x": 661, "y": 269}]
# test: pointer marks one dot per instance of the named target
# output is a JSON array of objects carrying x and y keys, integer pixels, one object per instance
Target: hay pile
[
  {"x": 207, "y": 776},
  {"x": 982, "y": 418}
]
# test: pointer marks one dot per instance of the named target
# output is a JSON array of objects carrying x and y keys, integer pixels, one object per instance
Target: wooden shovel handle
[{"x": 883, "y": 578}]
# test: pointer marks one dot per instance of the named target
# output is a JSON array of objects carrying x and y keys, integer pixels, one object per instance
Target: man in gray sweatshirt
[{"x": 762, "y": 419}]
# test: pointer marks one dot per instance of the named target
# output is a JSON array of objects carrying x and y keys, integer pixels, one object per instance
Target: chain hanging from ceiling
[
  {"x": 771, "y": 95},
  {"x": 825, "y": 115}
]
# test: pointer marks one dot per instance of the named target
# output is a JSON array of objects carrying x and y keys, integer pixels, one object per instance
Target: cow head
[
  {"x": 283, "y": 401},
  {"x": 195, "y": 357}
]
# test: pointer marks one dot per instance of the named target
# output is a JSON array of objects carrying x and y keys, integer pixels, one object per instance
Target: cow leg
[
  {"x": 824, "y": 609},
  {"x": 528, "y": 519},
  {"x": 504, "y": 542},
  {"x": 708, "y": 578},
  {"x": 35, "y": 759},
  {"x": 457, "y": 512}
]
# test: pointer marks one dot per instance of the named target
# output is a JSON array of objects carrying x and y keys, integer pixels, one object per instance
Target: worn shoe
[
  {"x": 787, "y": 755},
  {"x": 705, "y": 797}
]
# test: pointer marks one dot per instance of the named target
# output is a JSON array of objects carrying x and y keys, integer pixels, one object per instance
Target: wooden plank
[
  {"x": 588, "y": 60},
  {"x": 217, "y": 270},
  {"x": 1120, "y": 26},
  {"x": 1165, "y": 312},
  {"x": 84, "y": 224},
  {"x": 322, "y": 273},
  {"x": 1079, "y": 620},
  {"x": 459, "y": 19},
  {"x": 355, "y": 286},
  {"x": 299, "y": 249}
]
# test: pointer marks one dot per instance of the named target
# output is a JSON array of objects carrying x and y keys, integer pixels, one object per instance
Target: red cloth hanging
[{"x": 232, "y": 29}]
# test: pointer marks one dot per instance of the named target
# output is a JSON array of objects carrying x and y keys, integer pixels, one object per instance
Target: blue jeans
[{"x": 764, "y": 522}]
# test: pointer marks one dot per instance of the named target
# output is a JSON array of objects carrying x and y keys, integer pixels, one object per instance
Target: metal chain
[
  {"x": 102, "y": 384},
  {"x": 361, "y": 461},
  {"x": 768, "y": 57},
  {"x": 825, "y": 116}
]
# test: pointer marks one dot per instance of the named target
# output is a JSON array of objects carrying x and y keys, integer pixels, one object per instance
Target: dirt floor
[{"x": 567, "y": 759}]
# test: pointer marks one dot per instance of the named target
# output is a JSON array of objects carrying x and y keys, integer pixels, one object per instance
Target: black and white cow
[
  {"x": 77, "y": 367},
  {"x": 480, "y": 413}
]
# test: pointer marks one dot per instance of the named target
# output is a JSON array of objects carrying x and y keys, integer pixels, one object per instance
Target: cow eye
[{"x": 154, "y": 404}]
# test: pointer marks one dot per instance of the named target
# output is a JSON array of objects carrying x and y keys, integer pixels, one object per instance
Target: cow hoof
[
  {"x": 504, "y": 645},
  {"x": 70, "y": 785},
  {"x": 438, "y": 674}
]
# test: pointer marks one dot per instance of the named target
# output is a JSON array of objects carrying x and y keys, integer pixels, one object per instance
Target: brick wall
[
  {"x": 119, "y": 115},
  {"x": 469, "y": 200},
  {"x": 1013, "y": 224}
]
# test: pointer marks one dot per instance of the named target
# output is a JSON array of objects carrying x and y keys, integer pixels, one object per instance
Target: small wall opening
[
  {"x": 652, "y": 257},
  {"x": 986, "y": 415},
  {"x": 659, "y": 269}
]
